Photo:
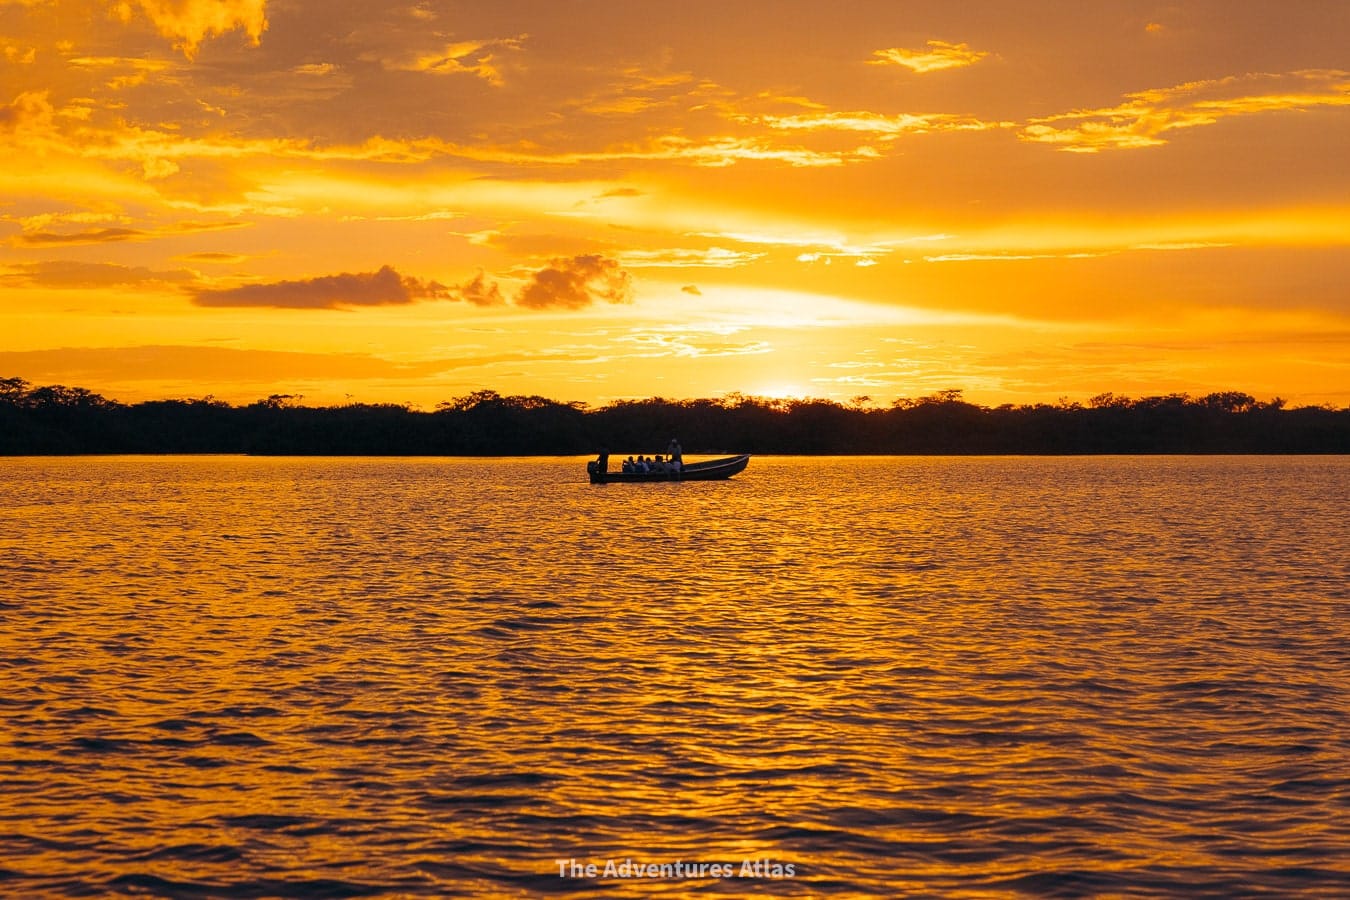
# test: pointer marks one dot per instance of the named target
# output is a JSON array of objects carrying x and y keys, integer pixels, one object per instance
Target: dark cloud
[
  {"x": 68, "y": 273},
  {"x": 577, "y": 283},
  {"x": 692, "y": 289},
  {"x": 113, "y": 235},
  {"x": 566, "y": 283},
  {"x": 479, "y": 292},
  {"x": 383, "y": 288},
  {"x": 194, "y": 227},
  {"x": 212, "y": 256},
  {"x": 98, "y": 236}
]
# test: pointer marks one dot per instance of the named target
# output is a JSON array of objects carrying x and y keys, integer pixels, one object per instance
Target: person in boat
[
  {"x": 602, "y": 463},
  {"x": 630, "y": 465},
  {"x": 642, "y": 464},
  {"x": 676, "y": 453}
]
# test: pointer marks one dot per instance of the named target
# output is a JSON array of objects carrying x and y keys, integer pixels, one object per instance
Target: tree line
[{"x": 55, "y": 419}]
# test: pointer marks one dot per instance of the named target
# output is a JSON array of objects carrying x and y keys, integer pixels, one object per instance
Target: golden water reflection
[{"x": 233, "y": 676}]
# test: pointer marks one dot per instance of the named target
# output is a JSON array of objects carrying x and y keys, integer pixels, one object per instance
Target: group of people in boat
[
  {"x": 655, "y": 464},
  {"x": 672, "y": 463}
]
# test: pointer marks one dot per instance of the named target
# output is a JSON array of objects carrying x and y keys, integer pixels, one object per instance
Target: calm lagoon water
[{"x": 249, "y": 677}]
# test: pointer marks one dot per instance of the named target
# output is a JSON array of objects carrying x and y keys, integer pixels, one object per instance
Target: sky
[{"x": 596, "y": 201}]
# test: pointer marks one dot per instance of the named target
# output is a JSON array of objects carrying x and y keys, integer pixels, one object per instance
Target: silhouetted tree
[{"x": 60, "y": 419}]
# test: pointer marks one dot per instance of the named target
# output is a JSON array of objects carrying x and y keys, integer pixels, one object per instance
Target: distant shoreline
[
  {"x": 62, "y": 421},
  {"x": 576, "y": 457}
]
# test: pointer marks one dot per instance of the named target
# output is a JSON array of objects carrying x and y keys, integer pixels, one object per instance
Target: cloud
[
  {"x": 680, "y": 258},
  {"x": 814, "y": 247},
  {"x": 877, "y": 124},
  {"x": 189, "y": 22},
  {"x": 71, "y": 274},
  {"x": 215, "y": 256},
  {"x": 29, "y": 112},
  {"x": 713, "y": 152},
  {"x": 1011, "y": 257},
  {"x": 21, "y": 56},
  {"x": 461, "y": 58},
  {"x": 690, "y": 343},
  {"x": 198, "y": 365},
  {"x": 1145, "y": 117},
  {"x": 636, "y": 90},
  {"x": 937, "y": 56},
  {"x": 479, "y": 291},
  {"x": 577, "y": 283},
  {"x": 692, "y": 289},
  {"x": 383, "y": 288},
  {"x": 46, "y": 220},
  {"x": 154, "y": 168},
  {"x": 131, "y": 70},
  {"x": 93, "y": 236},
  {"x": 114, "y": 235}
]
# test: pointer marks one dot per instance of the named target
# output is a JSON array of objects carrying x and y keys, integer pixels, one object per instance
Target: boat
[{"x": 708, "y": 470}]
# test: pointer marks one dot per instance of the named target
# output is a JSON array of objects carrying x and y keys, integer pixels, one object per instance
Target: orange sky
[{"x": 602, "y": 200}]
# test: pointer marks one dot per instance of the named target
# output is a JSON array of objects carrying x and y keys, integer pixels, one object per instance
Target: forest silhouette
[{"x": 55, "y": 419}]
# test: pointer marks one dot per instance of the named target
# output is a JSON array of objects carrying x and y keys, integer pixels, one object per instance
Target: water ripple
[{"x": 233, "y": 677}]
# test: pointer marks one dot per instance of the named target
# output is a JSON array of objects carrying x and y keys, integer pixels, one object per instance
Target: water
[{"x": 240, "y": 677}]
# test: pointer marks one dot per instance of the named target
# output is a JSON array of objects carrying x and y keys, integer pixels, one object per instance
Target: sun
[{"x": 780, "y": 391}]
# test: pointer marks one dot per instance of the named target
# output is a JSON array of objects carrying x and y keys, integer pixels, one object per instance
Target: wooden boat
[{"x": 709, "y": 470}]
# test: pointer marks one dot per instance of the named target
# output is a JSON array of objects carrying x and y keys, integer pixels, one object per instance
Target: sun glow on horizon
[{"x": 394, "y": 203}]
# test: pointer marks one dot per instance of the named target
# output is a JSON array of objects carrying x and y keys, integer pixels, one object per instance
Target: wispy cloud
[
  {"x": 200, "y": 365},
  {"x": 124, "y": 71},
  {"x": 1011, "y": 257},
  {"x": 215, "y": 256},
  {"x": 636, "y": 89},
  {"x": 1145, "y": 117},
  {"x": 713, "y": 152},
  {"x": 92, "y": 236},
  {"x": 116, "y": 235},
  {"x": 691, "y": 343},
  {"x": 886, "y": 127},
  {"x": 684, "y": 258},
  {"x": 74, "y": 274},
  {"x": 815, "y": 247},
  {"x": 476, "y": 57},
  {"x": 938, "y": 55}
]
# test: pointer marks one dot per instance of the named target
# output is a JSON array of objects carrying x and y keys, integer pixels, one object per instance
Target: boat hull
[{"x": 710, "y": 470}]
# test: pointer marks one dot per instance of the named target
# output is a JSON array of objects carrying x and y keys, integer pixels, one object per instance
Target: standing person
[{"x": 675, "y": 453}]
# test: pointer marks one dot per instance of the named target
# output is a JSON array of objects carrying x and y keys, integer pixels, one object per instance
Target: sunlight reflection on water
[{"x": 314, "y": 677}]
